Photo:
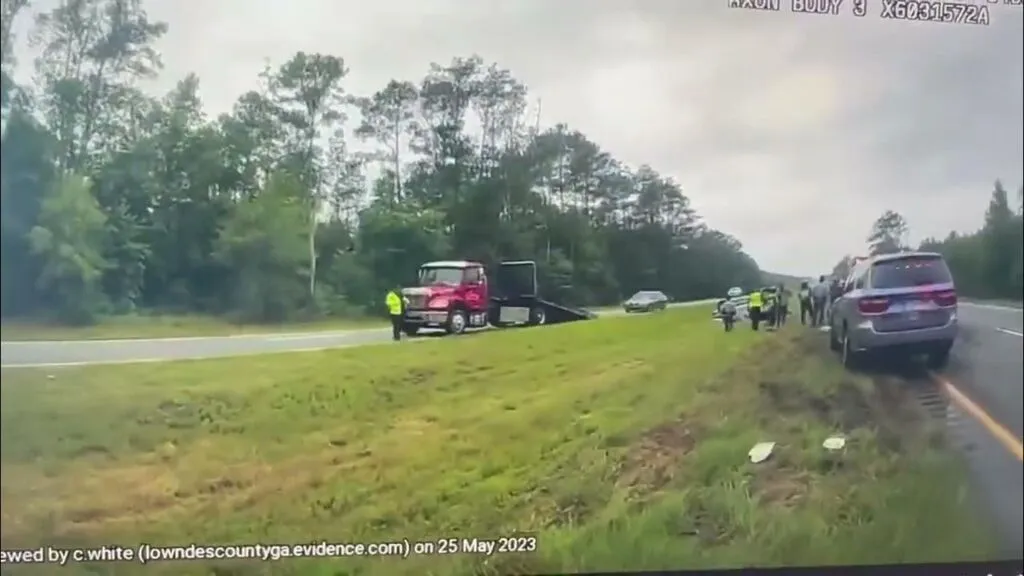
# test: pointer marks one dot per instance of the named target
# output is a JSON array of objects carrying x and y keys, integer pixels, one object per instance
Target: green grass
[
  {"x": 620, "y": 443},
  {"x": 168, "y": 326}
]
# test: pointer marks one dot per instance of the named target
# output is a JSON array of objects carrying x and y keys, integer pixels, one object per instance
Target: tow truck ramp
[{"x": 516, "y": 299}]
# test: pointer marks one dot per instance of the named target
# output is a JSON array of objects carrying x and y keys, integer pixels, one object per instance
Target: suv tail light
[
  {"x": 873, "y": 305},
  {"x": 944, "y": 298}
]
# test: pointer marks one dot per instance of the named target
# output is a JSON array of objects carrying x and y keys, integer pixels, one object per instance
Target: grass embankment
[
  {"x": 168, "y": 326},
  {"x": 622, "y": 443}
]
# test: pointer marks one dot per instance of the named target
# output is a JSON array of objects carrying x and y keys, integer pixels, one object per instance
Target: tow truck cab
[{"x": 452, "y": 295}]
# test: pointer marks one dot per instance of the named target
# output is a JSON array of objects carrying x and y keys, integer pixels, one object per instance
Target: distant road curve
[{"x": 41, "y": 354}]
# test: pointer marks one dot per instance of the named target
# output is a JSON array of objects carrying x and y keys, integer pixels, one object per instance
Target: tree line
[
  {"x": 986, "y": 263},
  {"x": 117, "y": 202}
]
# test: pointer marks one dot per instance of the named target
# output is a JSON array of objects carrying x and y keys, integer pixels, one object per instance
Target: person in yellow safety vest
[
  {"x": 395, "y": 303},
  {"x": 754, "y": 308}
]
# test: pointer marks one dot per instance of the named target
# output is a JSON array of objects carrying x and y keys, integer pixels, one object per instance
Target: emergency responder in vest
[
  {"x": 395, "y": 303},
  {"x": 754, "y": 308},
  {"x": 805, "y": 302}
]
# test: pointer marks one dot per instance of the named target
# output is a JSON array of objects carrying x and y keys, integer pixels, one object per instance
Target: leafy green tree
[
  {"x": 266, "y": 213},
  {"x": 888, "y": 234},
  {"x": 69, "y": 240}
]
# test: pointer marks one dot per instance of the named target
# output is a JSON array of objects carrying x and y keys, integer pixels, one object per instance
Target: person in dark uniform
[
  {"x": 396, "y": 304},
  {"x": 770, "y": 307},
  {"x": 836, "y": 293},
  {"x": 805, "y": 303},
  {"x": 819, "y": 301},
  {"x": 783, "y": 306}
]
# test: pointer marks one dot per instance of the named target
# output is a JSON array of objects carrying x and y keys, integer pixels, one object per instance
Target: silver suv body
[{"x": 904, "y": 303}]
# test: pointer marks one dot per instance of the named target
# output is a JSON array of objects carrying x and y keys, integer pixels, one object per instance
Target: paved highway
[
  {"x": 83, "y": 352},
  {"x": 986, "y": 366}
]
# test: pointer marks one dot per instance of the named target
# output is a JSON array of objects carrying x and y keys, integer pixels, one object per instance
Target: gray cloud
[{"x": 790, "y": 131}]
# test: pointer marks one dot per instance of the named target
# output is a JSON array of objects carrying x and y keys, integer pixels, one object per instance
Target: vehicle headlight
[{"x": 439, "y": 303}]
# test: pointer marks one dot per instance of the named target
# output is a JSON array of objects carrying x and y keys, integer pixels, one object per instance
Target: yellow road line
[{"x": 997, "y": 430}]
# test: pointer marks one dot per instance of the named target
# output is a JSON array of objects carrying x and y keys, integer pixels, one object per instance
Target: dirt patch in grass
[
  {"x": 846, "y": 407},
  {"x": 779, "y": 484},
  {"x": 651, "y": 463}
]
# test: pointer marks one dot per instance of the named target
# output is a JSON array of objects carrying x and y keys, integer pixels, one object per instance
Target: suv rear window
[{"x": 909, "y": 272}]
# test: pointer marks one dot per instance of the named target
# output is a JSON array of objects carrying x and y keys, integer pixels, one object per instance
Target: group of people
[
  {"x": 816, "y": 301},
  {"x": 770, "y": 306}
]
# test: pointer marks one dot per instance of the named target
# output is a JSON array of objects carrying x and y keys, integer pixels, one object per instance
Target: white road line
[
  {"x": 215, "y": 357},
  {"x": 992, "y": 307},
  {"x": 252, "y": 335},
  {"x": 94, "y": 363},
  {"x": 1011, "y": 332}
]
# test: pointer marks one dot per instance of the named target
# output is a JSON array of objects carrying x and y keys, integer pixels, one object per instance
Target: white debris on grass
[
  {"x": 834, "y": 443},
  {"x": 761, "y": 452}
]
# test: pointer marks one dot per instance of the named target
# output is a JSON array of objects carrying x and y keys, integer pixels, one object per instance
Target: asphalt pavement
[
  {"x": 84, "y": 352},
  {"x": 986, "y": 366}
]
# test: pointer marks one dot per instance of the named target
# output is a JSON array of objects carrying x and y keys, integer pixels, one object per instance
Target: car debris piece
[
  {"x": 833, "y": 443},
  {"x": 761, "y": 452}
]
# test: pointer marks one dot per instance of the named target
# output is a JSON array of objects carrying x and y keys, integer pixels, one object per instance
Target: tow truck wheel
[
  {"x": 537, "y": 317},
  {"x": 456, "y": 322}
]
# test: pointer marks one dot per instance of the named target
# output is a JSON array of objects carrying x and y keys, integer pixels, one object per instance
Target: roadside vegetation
[
  {"x": 987, "y": 263},
  {"x": 118, "y": 202},
  {"x": 622, "y": 444}
]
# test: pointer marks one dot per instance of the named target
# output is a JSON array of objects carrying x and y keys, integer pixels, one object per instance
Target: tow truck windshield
[{"x": 430, "y": 276}]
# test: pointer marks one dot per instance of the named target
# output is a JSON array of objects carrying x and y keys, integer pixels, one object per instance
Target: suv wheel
[
  {"x": 939, "y": 358},
  {"x": 456, "y": 322},
  {"x": 833, "y": 342},
  {"x": 410, "y": 329},
  {"x": 849, "y": 355}
]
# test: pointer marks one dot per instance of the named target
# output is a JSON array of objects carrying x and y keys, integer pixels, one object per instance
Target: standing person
[
  {"x": 819, "y": 300},
  {"x": 805, "y": 303},
  {"x": 728, "y": 314},
  {"x": 771, "y": 307},
  {"x": 395, "y": 303},
  {"x": 783, "y": 305},
  {"x": 836, "y": 294},
  {"x": 754, "y": 309}
]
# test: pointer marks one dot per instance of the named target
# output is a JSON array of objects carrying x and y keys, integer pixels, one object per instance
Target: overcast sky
[{"x": 791, "y": 132}]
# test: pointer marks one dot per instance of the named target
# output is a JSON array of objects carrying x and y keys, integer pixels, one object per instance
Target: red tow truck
[{"x": 456, "y": 295}]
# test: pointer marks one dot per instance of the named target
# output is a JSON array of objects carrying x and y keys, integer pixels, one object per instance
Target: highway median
[{"x": 619, "y": 444}]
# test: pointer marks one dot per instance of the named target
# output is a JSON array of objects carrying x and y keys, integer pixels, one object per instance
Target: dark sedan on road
[{"x": 646, "y": 301}]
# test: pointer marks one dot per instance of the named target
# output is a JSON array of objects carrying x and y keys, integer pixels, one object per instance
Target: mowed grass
[
  {"x": 167, "y": 326},
  {"x": 620, "y": 443}
]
